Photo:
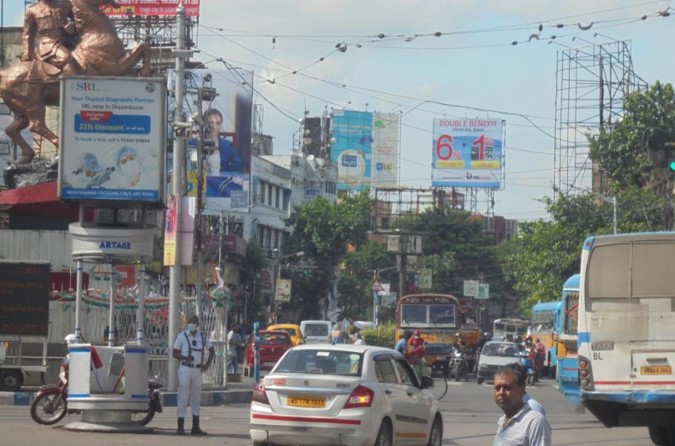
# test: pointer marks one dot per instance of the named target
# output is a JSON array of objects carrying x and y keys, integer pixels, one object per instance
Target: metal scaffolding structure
[
  {"x": 159, "y": 32},
  {"x": 592, "y": 83}
]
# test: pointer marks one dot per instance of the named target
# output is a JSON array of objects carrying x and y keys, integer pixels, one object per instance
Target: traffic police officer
[{"x": 189, "y": 350}]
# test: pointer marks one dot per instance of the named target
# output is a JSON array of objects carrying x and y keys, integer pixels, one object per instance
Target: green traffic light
[{"x": 671, "y": 165}]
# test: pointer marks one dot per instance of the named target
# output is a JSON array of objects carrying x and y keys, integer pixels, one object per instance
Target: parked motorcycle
[
  {"x": 459, "y": 365},
  {"x": 50, "y": 404}
]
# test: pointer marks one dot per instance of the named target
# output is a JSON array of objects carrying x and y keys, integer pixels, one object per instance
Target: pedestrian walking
[
  {"x": 233, "y": 343},
  {"x": 190, "y": 348},
  {"x": 520, "y": 424}
]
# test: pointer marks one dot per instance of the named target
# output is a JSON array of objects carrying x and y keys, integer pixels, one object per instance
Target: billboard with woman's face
[{"x": 112, "y": 140}]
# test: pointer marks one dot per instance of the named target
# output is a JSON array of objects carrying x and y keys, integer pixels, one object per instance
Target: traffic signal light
[{"x": 671, "y": 165}]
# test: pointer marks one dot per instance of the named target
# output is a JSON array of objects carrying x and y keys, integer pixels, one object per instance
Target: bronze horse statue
[{"x": 98, "y": 51}]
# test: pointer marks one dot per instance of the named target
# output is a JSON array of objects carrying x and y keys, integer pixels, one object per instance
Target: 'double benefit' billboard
[
  {"x": 112, "y": 137},
  {"x": 468, "y": 153}
]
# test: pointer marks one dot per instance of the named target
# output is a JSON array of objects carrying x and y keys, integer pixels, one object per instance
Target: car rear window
[
  {"x": 316, "y": 330},
  {"x": 322, "y": 362},
  {"x": 274, "y": 339}
]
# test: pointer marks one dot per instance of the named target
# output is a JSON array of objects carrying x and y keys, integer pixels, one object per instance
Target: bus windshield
[
  {"x": 501, "y": 328},
  {"x": 413, "y": 315}
]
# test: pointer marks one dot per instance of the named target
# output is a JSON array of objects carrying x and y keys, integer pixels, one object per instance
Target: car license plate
[
  {"x": 306, "y": 401},
  {"x": 656, "y": 370},
  {"x": 270, "y": 364}
]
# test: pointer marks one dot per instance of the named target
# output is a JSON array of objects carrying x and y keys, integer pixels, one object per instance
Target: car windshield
[
  {"x": 500, "y": 349},
  {"x": 321, "y": 361}
]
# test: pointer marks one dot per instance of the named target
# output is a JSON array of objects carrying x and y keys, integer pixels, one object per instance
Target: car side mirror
[{"x": 427, "y": 382}]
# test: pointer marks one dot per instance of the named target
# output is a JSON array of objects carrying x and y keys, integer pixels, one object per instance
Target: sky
[{"x": 427, "y": 59}]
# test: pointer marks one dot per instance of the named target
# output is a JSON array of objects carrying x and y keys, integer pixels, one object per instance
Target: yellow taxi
[{"x": 292, "y": 330}]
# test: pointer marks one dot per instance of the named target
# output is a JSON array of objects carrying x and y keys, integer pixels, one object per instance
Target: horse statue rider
[
  {"x": 52, "y": 24},
  {"x": 61, "y": 38}
]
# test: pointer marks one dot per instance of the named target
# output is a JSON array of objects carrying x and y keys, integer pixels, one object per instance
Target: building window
[
  {"x": 263, "y": 186},
  {"x": 287, "y": 199}
]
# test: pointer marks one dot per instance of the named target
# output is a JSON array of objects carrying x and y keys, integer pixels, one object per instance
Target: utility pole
[
  {"x": 177, "y": 190},
  {"x": 403, "y": 272}
]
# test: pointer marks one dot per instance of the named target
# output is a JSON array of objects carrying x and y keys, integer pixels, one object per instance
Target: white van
[{"x": 316, "y": 332}]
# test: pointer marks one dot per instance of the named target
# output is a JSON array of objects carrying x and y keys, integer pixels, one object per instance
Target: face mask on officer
[{"x": 192, "y": 327}]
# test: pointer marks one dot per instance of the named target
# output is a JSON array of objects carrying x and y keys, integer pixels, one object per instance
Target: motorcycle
[
  {"x": 459, "y": 365},
  {"x": 50, "y": 404},
  {"x": 527, "y": 361}
]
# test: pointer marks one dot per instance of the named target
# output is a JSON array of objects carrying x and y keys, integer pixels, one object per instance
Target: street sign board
[
  {"x": 471, "y": 288},
  {"x": 283, "y": 290},
  {"x": 483, "y": 291},
  {"x": 425, "y": 279}
]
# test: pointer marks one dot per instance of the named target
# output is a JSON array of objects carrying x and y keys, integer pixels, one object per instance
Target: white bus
[
  {"x": 626, "y": 340},
  {"x": 509, "y": 327}
]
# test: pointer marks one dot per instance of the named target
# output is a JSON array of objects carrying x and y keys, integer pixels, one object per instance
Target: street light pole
[
  {"x": 177, "y": 190},
  {"x": 614, "y": 204},
  {"x": 613, "y": 201}
]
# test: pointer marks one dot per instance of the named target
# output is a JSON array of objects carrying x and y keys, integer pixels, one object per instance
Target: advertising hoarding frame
[
  {"x": 112, "y": 137},
  {"x": 468, "y": 153},
  {"x": 352, "y": 150},
  {"x": 366, "y": 149},
  {"x": 225, "y": 190}
]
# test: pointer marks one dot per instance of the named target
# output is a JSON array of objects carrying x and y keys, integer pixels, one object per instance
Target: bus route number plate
[{"x": 656, "y": 370}]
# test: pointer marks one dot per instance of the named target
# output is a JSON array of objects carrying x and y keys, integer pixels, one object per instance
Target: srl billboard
[
  {"x": 112, "y": 134},
  {"x": 468, "y": 153}
]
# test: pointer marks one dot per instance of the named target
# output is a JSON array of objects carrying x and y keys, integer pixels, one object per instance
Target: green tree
[
  {"x": 324, "y": 231},
  {"x": 633, "y": 155},
  {"x": 254, "y": 262},
  {"x": 456, "y": 248},
  {"x": 633, "y": 151},
  {"x": 546, "y": 253},
  {"x": 355, "y": 297}
]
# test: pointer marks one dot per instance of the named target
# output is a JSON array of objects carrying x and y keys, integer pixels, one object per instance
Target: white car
[
  {"x": 344, "y": 395},
  {"x": 495, "y": 354}
]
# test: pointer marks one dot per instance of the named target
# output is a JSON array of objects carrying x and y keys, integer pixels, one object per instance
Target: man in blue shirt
[{"x": 402, "y": 344}]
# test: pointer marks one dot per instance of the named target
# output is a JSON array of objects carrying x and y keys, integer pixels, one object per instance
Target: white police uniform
[{"x": 190, "y": 372}]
